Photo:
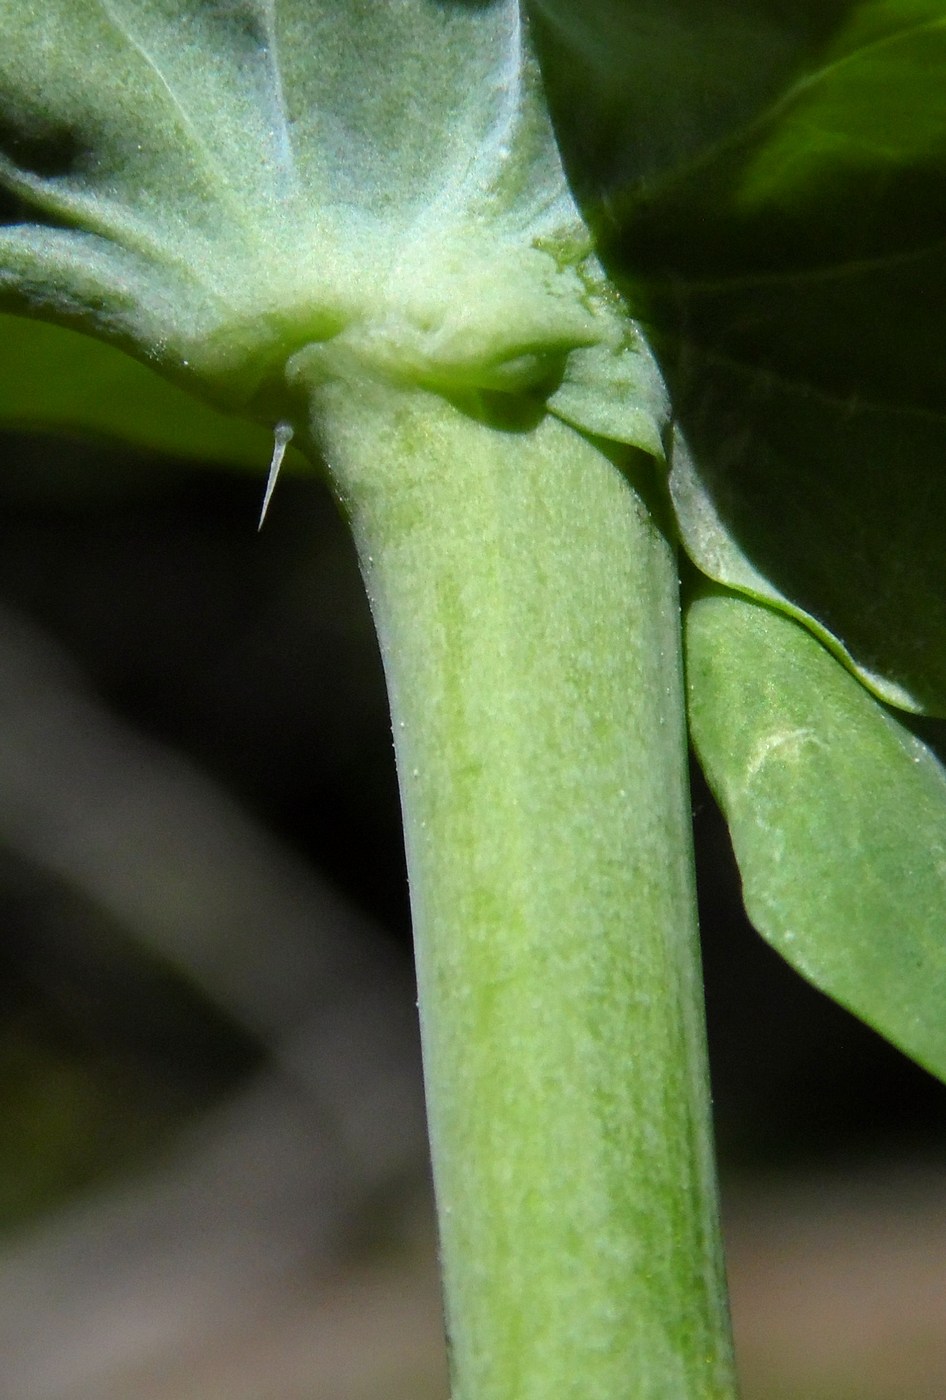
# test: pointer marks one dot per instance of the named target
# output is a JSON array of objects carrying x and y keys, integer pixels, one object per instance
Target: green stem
[{"x": 527, "y": 610}]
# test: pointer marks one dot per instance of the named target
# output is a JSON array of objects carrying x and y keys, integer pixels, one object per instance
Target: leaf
[
  {"x": 837, "y": 815},
  {"x": 57, "y": 379},
  {"x": 640, "y": 87},
  {"x": 615, "y": 391},
  {"x": 220, "y": 188},
  {"x": 834, "y": 513},
  {"x": 787, "y": 255}
]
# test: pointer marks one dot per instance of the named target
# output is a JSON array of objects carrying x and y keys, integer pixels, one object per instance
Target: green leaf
[
  {"x": 787, "y": 253},
  {"x": 639, "y": 87},
  {"x": 837, "y": 814},
  {"x": 56, "y": 379},
  {"x": 219, "y": 188}
]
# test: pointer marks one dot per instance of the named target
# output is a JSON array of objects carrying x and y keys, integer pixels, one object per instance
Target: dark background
[{"x": 146, "y": 623}]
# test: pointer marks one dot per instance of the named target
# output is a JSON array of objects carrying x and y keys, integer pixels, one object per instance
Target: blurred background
[{"x": 213, "y": 1175}]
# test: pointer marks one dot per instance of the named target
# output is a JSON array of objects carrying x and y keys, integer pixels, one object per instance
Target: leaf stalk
[{"x": 526, "y": 604}]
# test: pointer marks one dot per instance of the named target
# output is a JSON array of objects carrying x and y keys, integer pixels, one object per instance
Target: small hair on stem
[{"x": 282, "y": 436}]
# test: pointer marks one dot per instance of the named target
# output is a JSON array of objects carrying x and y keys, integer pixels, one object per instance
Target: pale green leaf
[
  {"x": 837, "y": 815},
  {"x": 219, "y": 188}
]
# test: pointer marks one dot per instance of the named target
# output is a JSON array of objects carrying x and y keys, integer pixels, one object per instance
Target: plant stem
[{"x": 526, "y": 605}]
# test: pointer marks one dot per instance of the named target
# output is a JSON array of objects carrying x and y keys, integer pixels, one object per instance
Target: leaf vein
[{"x": 199, "y": 143}]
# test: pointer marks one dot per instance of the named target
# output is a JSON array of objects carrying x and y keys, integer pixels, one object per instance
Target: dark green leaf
[
  {"x": 640, "y": 87},
  {"x": 789, "y": 255}
]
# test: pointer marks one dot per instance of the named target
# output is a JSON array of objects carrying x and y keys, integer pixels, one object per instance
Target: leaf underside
[{"x": 217, "y": 188}]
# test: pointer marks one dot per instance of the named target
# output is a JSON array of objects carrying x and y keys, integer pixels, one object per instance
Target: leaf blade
[
  {"x": 791, "y": 269},
  {"x": 837, "y": 815}
]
